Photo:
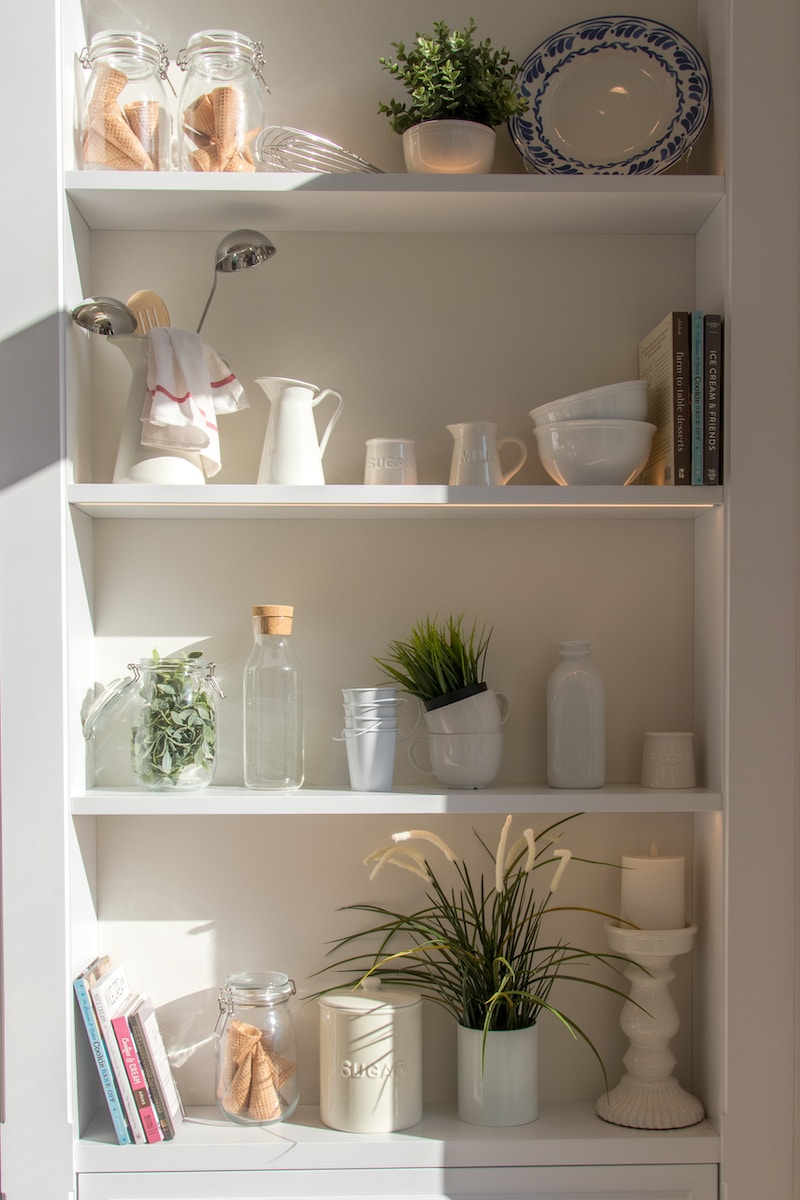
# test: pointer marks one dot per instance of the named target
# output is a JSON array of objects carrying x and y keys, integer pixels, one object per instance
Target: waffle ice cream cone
[
  {"x": 282, "y": 1069},
  {"x": 237, "y": 1096},
  {"x": 108, "y": 84},
  {"x": 203, "y": 160},
  {"x": 228, "y": 104},
  {"x": 238, "y": 163},
  {"x": 144, "y": 116},
  {"x": 242, "y": 1040},
  {"x": 98, "y": 152},
  {"x": 198, "y": 121},
  {"x": 116, "y": 130},
  {"x": 236, "y": 1066},
  {"x": 264, "y": 1102}
]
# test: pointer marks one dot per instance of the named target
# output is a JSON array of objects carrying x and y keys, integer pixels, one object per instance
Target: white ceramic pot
[
  {"x": 449, "y": 148},
  {"x": 501, "y": 1085}
]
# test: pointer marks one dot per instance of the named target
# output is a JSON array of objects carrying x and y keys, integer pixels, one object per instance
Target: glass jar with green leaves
[{"x": 174, "y": 722}]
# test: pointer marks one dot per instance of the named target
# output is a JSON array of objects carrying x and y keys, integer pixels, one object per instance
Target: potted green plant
[
  {"x": 482, "y": 949},
  {"x": 442, "y": 664},
  {"x": 440, "y": 661},
  {"x": 459, "y": 90}
]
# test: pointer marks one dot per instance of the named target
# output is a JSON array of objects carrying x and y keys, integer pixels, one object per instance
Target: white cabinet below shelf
[
  {"x": 240, "y": 801},
  {"x": 441, "y": 1183}
]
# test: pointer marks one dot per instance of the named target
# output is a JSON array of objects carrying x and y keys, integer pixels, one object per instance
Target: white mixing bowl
[
  {"x": 619, "y": 401},
  {"x": 599, "y": 451}
]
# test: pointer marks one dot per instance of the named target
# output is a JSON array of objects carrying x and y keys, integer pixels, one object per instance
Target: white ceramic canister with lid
[{"x": 371, "y": 1060}]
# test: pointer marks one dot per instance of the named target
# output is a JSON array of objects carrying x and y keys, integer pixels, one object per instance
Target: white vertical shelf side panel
[{"x": 763, "y": 368}]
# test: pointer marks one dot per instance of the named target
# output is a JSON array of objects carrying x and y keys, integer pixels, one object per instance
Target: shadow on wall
[{"x": 31, "y": 434}]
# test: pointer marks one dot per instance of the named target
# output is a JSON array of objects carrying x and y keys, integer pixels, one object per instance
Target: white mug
[
  {"x": 460, "y": 760},
  {"x": 391, "y": 460},
  {"x": 668, "y": 760},
  {"x": 484, "y": 712}
]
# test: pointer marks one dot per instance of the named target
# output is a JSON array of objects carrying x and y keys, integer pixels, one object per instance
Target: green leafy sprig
[
  {"x": 176, "y": 729},
  {"x": 452, "y": 76}
]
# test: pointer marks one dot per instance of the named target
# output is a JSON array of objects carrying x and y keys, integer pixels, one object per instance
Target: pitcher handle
[
  {"x": 323, "y": 441},
  {"x": 517, "y": 466}
]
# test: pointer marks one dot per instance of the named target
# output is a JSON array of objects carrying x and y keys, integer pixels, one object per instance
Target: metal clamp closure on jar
[
  {"x": 263, "y": 990},
  {"x": 223, "y": 43},
  {"x": 137, "y": 45}
]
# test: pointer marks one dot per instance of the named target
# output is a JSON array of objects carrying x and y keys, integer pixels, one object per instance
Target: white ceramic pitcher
[
  {"x": 292, "y": 450},
  {"x": 476, "y": 454}
]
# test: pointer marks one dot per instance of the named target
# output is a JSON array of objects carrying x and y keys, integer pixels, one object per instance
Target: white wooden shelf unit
[{"x": 59, "y": 604}]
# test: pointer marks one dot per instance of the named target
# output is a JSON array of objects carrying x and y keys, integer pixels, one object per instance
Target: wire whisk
[{"x": 281, "y": 148}]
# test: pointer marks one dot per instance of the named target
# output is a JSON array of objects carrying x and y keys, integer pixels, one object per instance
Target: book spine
[
  {"x": 121, "y": 1075},
  {"x": 107, "y": 1079},
  {"x": 713, "y": 406},
  {"x": 682, "y": 391},
  {"x": 136, "y": 1078},
  {"x": 151, "y": 1077},
  {"x": 697, "y": 398},
  {"x": 655, "y": 366},
  {"x": 159, "y": 1055}
]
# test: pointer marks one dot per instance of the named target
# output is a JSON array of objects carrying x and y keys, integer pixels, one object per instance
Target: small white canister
[{"x": 371, "y": 1060}]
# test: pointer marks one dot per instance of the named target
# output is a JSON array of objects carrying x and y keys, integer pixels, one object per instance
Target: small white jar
[{"x": 371, "y": 1060}]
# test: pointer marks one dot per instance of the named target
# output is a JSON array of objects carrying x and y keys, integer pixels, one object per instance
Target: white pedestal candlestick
[{"x": 648, "y": 1096}]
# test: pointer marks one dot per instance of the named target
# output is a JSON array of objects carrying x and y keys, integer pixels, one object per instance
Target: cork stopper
[{"x": 273, "y": 618}]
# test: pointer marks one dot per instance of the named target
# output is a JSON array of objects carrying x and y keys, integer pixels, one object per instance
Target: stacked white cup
[{"x": 370, "y": 735}]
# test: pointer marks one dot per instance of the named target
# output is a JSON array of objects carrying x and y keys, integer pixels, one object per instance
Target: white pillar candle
[{"x": 653, "y": 890}]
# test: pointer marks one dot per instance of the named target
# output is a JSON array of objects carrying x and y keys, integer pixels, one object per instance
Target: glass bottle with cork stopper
[{"x": 273, "y": 703}]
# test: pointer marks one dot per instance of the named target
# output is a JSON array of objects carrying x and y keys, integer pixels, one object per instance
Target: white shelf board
[
  {"x": 241, "y": 801},
  {"x": 357, "y": 500},
  {"x": 566, "y": 1134},
  {"x": 363, "y": 203}
]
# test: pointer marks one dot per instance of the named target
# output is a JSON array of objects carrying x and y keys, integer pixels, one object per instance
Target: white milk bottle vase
[{"x": 575, "y": 720}]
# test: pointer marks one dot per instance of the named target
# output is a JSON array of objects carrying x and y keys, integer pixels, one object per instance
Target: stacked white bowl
[{"x": 599, "y": 436}]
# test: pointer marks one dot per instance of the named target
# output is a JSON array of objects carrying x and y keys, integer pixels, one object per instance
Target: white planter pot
[
  {"x": 449, "y": 148},
  {"x": 500, "y": 1087}
]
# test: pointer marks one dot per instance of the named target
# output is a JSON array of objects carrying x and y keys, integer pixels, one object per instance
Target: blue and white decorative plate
[{"x": 611, "y": 96}]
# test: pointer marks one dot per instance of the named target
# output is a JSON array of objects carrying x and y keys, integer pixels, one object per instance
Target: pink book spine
[{"x": 141, "y": 1093}]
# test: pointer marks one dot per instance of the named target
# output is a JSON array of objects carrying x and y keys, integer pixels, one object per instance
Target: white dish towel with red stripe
[{"x": 188, "y": 386}]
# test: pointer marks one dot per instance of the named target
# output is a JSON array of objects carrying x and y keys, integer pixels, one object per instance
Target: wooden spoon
[{"x": 149, "y": 309}]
